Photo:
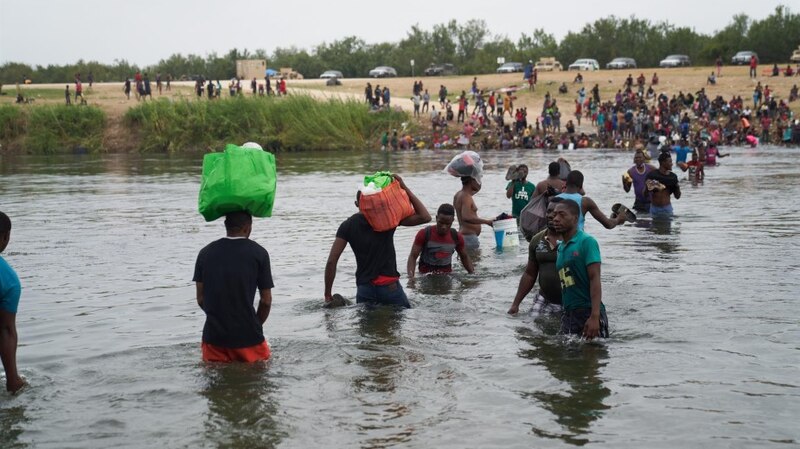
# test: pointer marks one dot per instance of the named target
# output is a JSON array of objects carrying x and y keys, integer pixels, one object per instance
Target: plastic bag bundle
[
  {"x": 533, "y": 217},
  {"x": 383, "y": 202},
  {"x": 468, "y": 163},
  {"x": 240, "y": 178}
]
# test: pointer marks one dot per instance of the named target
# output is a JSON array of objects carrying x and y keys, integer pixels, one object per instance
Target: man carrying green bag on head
[{"x": 239, "y": 179}]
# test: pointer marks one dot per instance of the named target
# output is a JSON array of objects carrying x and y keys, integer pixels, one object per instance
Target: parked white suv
[{"x": 585, "y": 64}]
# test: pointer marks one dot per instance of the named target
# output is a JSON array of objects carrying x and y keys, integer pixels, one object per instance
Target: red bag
[{"x": 386, "y": 209}]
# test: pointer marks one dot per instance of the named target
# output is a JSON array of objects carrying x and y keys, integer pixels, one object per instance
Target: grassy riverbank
[
  {"x": 291, "y": 123},
  {"x": 52, "y": 128},
  {"x": 171, "y": 125}
]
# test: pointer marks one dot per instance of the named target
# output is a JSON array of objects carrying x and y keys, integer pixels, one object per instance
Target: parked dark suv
[{"x": 441, "y": 70}]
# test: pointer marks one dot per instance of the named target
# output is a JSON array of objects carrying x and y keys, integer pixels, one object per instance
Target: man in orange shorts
[{"x": 227, "y": 273}]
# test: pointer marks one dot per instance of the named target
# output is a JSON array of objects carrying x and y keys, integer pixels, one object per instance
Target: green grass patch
[
  {"x": 53, "y": 129},
  {"x": 12, "y": 122},
  {"x": 295, "y": 122}
]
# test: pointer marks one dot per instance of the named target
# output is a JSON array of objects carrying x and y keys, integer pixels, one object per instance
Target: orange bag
[{"x": 386, "y": 209}]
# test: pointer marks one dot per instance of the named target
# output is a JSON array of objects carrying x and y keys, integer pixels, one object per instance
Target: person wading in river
[
  {"x": 377, "y": 279},
  {"x": 227, "y": 273},
  {"x": 437, "y": 244},
  {"x": 578, "y": 265},
  {"x": 635, "y": 177},
  {"x": 469, "y": 222},
  {"x": 662, "y": 183},
  {"x": 574, "y": 191},
  {"x": 542, "y": 254},
  {"x": 10, "y": 290}
]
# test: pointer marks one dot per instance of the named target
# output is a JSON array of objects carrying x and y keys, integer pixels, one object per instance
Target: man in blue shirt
[
  {"x": 9, "y": 299},
  {"x": 578, "y": 265},
  {"x": 682, "y": 152}
]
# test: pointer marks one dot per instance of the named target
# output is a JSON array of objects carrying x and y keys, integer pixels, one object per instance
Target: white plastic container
[{"x": 505, "y": 233}]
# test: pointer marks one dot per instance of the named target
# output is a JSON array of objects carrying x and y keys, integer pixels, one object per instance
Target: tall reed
[{"x": 295, "y": 122}]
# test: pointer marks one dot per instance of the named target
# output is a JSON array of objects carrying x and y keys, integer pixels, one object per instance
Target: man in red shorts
[{"x": 227, "y": 273}]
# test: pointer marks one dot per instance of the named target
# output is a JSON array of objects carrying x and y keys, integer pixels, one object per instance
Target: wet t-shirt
[
  {"x": 670, "y": 180},
  {"x": 374, "y": 251},
  {"x": 231, "y": 270}
]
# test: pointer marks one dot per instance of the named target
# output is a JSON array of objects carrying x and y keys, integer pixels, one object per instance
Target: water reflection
[
  {"x": 11, "y": 419},
  {"x": 383, "y": 358},
  {"x": 578, "y": 365},
  {"x": 241, "y": 406},
  {"x": 658, "y": 234}
]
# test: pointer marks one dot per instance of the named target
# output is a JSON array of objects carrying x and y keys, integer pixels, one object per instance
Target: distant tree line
[{"x": 472, "y": 47}]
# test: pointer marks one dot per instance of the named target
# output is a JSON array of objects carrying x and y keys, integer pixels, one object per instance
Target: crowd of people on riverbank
[{"x": 635, "y": 114}]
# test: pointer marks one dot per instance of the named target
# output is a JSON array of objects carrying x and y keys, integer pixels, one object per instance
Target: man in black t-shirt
[
  {"x": 377, "y": 279},
  {"x": 227, "y": 273}
]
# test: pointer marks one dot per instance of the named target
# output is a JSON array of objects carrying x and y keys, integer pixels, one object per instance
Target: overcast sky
[{"x": 144, "y": 31}]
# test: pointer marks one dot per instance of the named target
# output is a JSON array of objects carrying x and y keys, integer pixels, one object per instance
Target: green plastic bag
[
  {"x": 237, "y": 179},
  {"x": 381, "y": 179}
]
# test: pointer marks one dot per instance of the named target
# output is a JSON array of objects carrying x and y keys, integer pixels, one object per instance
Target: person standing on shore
[
  {"x": 578, "y": 264},
  {"x": 377, "y": 279},
  {"x": 426, "y": 99},
  {"x": 753, "y": 66},
  {"x": 10, "y": 291},
  {"x": 542, "y": 255},
  {"x": 662, "y": 183},
  {"x": 227, "y": 274},
  {"x": 169, "y": 80},
  {"x": 436, "y": 244},
  {"x": 67, "y": 95},
  {"x": 635, "y": 177},
  {"x": 158, "y": 82},
  {"x": 469, "y": 223}
]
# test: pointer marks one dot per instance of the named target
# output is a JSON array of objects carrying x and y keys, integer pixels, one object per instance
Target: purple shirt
[{"x": 638, "y": 182}]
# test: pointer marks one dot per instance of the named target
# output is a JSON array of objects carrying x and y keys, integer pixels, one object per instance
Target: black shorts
[{"x": 572, "y": 321}]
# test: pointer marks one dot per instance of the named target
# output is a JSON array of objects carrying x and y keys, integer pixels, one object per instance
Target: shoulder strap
[
  {"x": 427, "y": 236},
  {"x": 454, "y": 236}
]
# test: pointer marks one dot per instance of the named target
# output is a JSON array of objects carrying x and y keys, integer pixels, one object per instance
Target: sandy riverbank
[{"x": 734, "y": 81}]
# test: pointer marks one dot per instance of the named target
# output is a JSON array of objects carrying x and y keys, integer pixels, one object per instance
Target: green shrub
[
  {"x": 53, "y": 129},
  {"x": 12, "y": 122},
  {"x": 288, "y": 123}
]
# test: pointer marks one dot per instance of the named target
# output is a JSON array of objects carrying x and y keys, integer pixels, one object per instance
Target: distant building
[{"x": 251, "y": 68}]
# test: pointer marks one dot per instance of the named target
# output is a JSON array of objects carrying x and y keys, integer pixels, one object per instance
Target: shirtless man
[
  {"x": 662, "y": 183},
  {"x": 574, "y": 192},
  {"x": 469, "y": 223},
  {"x": 552, "y": 180}
]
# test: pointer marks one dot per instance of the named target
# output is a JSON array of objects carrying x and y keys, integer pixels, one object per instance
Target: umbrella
[{"x": 271, "y": 72}]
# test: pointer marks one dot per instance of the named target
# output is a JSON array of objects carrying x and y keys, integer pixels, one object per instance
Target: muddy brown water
[{"x": 704, "y": 347}]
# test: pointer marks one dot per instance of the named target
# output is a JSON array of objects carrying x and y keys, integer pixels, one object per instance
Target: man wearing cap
[
  {"x": 661, "y": 184},
  {"x": 377, "y": 279},
  {"x": 227, "y": 274},
  {"x": 469, "y": 223}
]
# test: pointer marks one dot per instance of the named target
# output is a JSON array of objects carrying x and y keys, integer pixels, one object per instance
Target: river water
[{"x": 704, "y": 348}]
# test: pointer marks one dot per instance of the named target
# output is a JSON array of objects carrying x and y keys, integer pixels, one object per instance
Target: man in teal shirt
[
  {"x": 9, "y": 300},
  {"x": 520, "y": 191},
  {"x": 578, "y": 266}
]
